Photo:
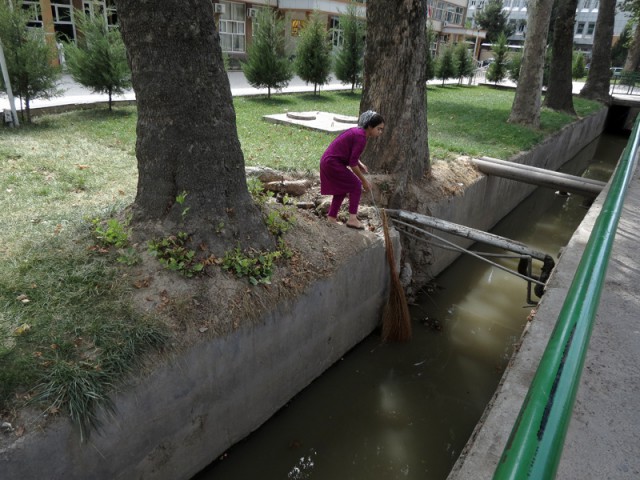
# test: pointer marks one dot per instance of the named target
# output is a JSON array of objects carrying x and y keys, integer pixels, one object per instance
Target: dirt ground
[{"x": 219, "y": 302}]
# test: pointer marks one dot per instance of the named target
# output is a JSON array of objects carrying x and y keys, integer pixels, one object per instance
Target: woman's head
[
  {"x": 372, "y": 122},
  {"x": 370, "y": 118}
]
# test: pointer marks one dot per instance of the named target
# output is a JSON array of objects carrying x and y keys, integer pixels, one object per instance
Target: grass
[{"x": 67, "y": 332}]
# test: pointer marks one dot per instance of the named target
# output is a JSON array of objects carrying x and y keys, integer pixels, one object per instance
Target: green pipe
[{"x": 535, "y": 444}]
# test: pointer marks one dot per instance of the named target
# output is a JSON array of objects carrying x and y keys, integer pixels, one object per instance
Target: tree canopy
[
  {"x": 266, "y": 64},
  {"x": 99, "y": 60},
  {"x": 313, "y": 54},
  {"x": 31, "y": 61},
  {"x": 494, "y": 20}
]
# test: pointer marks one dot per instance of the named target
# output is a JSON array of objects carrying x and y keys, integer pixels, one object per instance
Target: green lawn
[{"x": 66, "y": 330}]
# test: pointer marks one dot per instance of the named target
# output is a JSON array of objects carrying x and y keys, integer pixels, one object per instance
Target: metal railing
[
  {"x": 535, "y": 445},
  {"x": 625, "y": 83}
]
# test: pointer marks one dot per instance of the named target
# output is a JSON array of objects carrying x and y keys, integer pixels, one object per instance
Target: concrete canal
[{"x": 406, "y": 411}]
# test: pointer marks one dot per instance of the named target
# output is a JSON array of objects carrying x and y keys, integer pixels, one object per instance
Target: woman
[{"x": 342, "y": 172}]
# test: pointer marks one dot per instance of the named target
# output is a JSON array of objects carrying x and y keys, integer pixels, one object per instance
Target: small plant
[
  {"x": 112, "y": 232},
  {"x": 258, "y": 192},
  {"x": 279, "y": 221},
  {"x": 181, "y": 198},
  {"x": 173, "y": 253},
  {"x": 256, "y": 266},
  {"x": 128, "y": 256}
]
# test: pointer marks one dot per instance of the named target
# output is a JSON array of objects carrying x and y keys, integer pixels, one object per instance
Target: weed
[
  {"x": 173, "y": 253},
  {"x": 111, "y": 232},
  {"x": 279, "y": 221},
  {"x": 256, "y": 266},
  {"x": 180, "y": 199}
]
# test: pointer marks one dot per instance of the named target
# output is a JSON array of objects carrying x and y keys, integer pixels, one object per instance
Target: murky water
[{"x": 406, "y": 411}]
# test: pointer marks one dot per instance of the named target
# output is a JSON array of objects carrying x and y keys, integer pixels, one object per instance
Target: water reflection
[{"x": 406, "y": 411}]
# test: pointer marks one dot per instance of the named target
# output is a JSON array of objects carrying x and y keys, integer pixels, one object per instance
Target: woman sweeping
[{"x": 342, "y": 172}]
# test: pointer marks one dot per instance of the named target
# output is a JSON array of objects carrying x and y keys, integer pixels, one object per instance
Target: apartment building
[
  {"x": 235, "y": 20},
  {"x": 585, "y": 25}
]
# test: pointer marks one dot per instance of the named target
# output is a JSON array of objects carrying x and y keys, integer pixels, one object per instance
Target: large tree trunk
[
  {"x": 526, "y": 104},
  {"x": 560, "y": 90},
  {"x": 633, "y": 55},
  {"x": 186, "y": 133},
  {"x": 598, "y": 81},
  {"x": 395, "y": 86}
]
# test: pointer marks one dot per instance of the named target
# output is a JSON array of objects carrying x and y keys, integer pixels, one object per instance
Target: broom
[{"x": 396, "y": 321}]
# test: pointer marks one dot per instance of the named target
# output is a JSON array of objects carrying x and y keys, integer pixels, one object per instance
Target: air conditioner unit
[
  {"x": 252, "y": 12},
  {"x": 444, "y": 24},
  {"x": 219, "y": 7}
]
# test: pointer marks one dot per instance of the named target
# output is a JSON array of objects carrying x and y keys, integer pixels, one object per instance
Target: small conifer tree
[
  {"x": 498, "y": 69},
  {"x": 464, "y": 60},
  {"x": 446, "y": 67},
  {"x": 350, "y": 58},
  {"x": 313, "y": 55},
  {"x": 578, "y": 70},
  {"x": 430, "y": 64},
  {"x": 266, "y": 65},
  {"x": 513, "y": 67},
  {"x": 99, "y": 60},
  {"x": 31, "y": 62}
]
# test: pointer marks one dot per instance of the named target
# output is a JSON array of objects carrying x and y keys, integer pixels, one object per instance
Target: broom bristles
[{"x": 396, "y": 321}]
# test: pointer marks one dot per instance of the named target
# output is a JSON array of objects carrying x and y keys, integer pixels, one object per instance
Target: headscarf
[{"x": 365, "y": 117}]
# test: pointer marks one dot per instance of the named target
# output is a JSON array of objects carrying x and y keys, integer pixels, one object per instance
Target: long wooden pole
[{"x": 539, "y": 176}]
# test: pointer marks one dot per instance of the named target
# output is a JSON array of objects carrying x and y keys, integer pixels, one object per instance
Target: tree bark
[
  {"x": 395, "y": 86},
  {"x": 598, "y": 81},
  {"x": 633, "y": 55},
  {"x": 526, "y": 104},
  {"x": 560, "y": 90},
  {"x": 186, "y": 132}
]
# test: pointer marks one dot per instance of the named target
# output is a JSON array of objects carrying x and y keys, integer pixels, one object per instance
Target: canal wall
[
  {"x": 174, "y": 421},
  {"x": 489, "y": 199}
]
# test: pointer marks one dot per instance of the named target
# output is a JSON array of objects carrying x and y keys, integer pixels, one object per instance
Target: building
[
  {"x": 585, "y": 25},
  {"x": 235, "y": 20}
]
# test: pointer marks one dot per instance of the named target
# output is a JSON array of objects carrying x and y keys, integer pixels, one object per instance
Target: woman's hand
[{"x": 366, "y": 185}]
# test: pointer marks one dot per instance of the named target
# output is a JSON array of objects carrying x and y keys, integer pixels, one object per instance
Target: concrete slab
[{"x": 320, "y": 121}]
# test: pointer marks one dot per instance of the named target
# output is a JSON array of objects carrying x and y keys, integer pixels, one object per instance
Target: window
[
  {"x": 439, "y": 15},
  {"x": 62, "y": 13},
  {"x": 590, "y": 28},
  {"x": 587, "y": 4},
  {"x": 106, "y": 8},
  {"x": 337, "y": 34},
  {"x": 35, "y": 5},
  {"x": 232, "y": 27},
  {"x": 580, "y": 28}
]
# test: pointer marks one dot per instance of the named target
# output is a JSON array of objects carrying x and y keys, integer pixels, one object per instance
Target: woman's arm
[{"x": 366, "y": 186}]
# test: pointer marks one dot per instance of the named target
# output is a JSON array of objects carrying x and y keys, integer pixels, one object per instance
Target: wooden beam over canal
[{"x": 539, "y": 176}]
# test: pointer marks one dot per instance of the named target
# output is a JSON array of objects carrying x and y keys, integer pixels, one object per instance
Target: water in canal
[{"x": 405, "y": 411}]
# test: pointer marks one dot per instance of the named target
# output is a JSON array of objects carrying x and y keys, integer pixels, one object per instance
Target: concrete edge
[{"x": 481, "y": 455}]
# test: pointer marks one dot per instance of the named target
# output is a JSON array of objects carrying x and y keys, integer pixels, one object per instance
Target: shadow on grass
[{"x": 274, "y": 101}]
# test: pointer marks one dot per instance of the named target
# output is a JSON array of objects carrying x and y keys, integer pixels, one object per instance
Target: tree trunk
[
  {"x": 633, "y": 55},
  {"x": 598, "y": 81},
  {"x": 186, "y": 133},
  {"x": 560, "y": 91},
  {"x": 526, "y": 104},
  {"x": 395, "y": 87}
]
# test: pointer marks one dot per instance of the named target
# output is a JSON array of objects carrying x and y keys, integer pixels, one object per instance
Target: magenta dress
[{"x": 344, "y": 151}]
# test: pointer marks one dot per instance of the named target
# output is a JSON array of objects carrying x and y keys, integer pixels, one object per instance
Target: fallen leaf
[
  {"x": 22, "y": 329},
  {"x": 203, "y": 329}
]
